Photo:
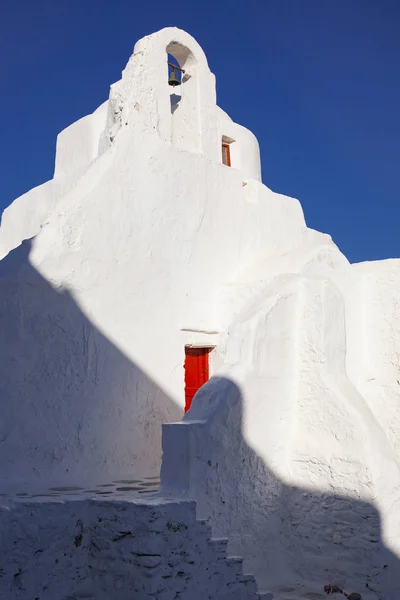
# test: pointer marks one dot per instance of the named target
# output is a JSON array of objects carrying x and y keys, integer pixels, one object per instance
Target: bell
[{"x": 173, "y": 80}]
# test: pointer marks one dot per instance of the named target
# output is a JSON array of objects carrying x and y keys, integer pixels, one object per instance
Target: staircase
[
  {"x": 119, "y": 547},
  {"x": 218, "y": 575}
]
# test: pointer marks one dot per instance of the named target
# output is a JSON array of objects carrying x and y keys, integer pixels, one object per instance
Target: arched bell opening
[
  {"x": 179, "y": 61},
  {"x": 184, "y": 97}
]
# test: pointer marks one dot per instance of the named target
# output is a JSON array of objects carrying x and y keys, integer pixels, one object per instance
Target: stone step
[
  {"x": 219, "y": 540},
  {"x": 232, "y": 560},
  {"x": 219, "y": 546},
  {"x": 204, "y": 528},
  {"x": 249, "y": 578}
]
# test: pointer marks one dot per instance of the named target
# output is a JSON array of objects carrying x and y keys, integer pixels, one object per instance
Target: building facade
[{"x": 156, "y": 253}]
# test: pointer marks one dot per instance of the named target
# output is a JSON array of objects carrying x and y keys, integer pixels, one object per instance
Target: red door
[{"x": 196, "y": 372}]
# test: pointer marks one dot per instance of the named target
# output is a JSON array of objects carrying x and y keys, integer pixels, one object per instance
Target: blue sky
[{"x": 318, "y": 82}]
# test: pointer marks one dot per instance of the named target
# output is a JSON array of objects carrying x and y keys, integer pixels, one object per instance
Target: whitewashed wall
[
  {"x": 78, "y": 145},
  {"x": 127, "y": 260},
  {"x": 115, "y": 549},
  {"x": 144, "y": 242},
  {"x": 282, "y": 451},
  {"x": 377, "y": 367}
]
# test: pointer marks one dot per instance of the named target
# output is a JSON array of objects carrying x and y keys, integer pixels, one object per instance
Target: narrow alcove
[
  {"x": 184, "y": 97},
  {"x": 175, "y": 81}
]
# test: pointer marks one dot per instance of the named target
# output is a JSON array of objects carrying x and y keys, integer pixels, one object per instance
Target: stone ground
[
  {"x": 313, "y": 592},
  {"x": 118, "y": 489}
]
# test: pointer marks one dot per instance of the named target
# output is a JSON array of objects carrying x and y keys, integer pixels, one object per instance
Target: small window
[{"x": 226, "y": 154}]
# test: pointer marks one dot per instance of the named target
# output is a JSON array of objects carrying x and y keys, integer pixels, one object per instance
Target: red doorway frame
[{"x": 197, "y": 371}]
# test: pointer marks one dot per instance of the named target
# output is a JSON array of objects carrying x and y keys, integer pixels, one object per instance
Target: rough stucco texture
[
  {"x": 115, "y": 550},
  {"x": 141, "y": 239},
  {"x": 131, "y": 254},
  {"x": 284, "y": 454}
]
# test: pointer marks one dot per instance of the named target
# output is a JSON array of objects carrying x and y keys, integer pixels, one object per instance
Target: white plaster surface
[
  {"x": 144, "y": 242},
  {"x": 78, "y": 145},
  {"x": 135, "y": 251},
  {"x": 124, "y": 550},
  {"x": 377, "y": 367},
  {"x": 244, "y": 149},
  {"x": 285, "y": 455}
]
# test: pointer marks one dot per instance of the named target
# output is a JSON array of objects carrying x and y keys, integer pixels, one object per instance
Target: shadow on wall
[
  {"x": 289, "y": 536},
  {"x": 73, "y": 407}
]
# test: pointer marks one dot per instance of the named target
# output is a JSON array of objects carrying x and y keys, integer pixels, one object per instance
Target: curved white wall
[
  {"x": 285, "y": 455},
  {"x": 376, "y": 366},
  {"x": 78, "y": 145},
  {"x": 25, "y": 216},
  {"x": 244, "y": 149}
]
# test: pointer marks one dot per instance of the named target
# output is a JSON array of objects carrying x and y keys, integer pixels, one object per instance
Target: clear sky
[{"x": 318, "y": 82}]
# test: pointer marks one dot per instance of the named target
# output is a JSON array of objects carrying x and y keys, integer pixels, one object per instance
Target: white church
[{"x": 162, "y": 311}]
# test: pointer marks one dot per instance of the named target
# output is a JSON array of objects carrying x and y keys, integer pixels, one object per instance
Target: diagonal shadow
[
  {"x": 295, "y": 540},
  {"x": 74, "y": 408}
]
